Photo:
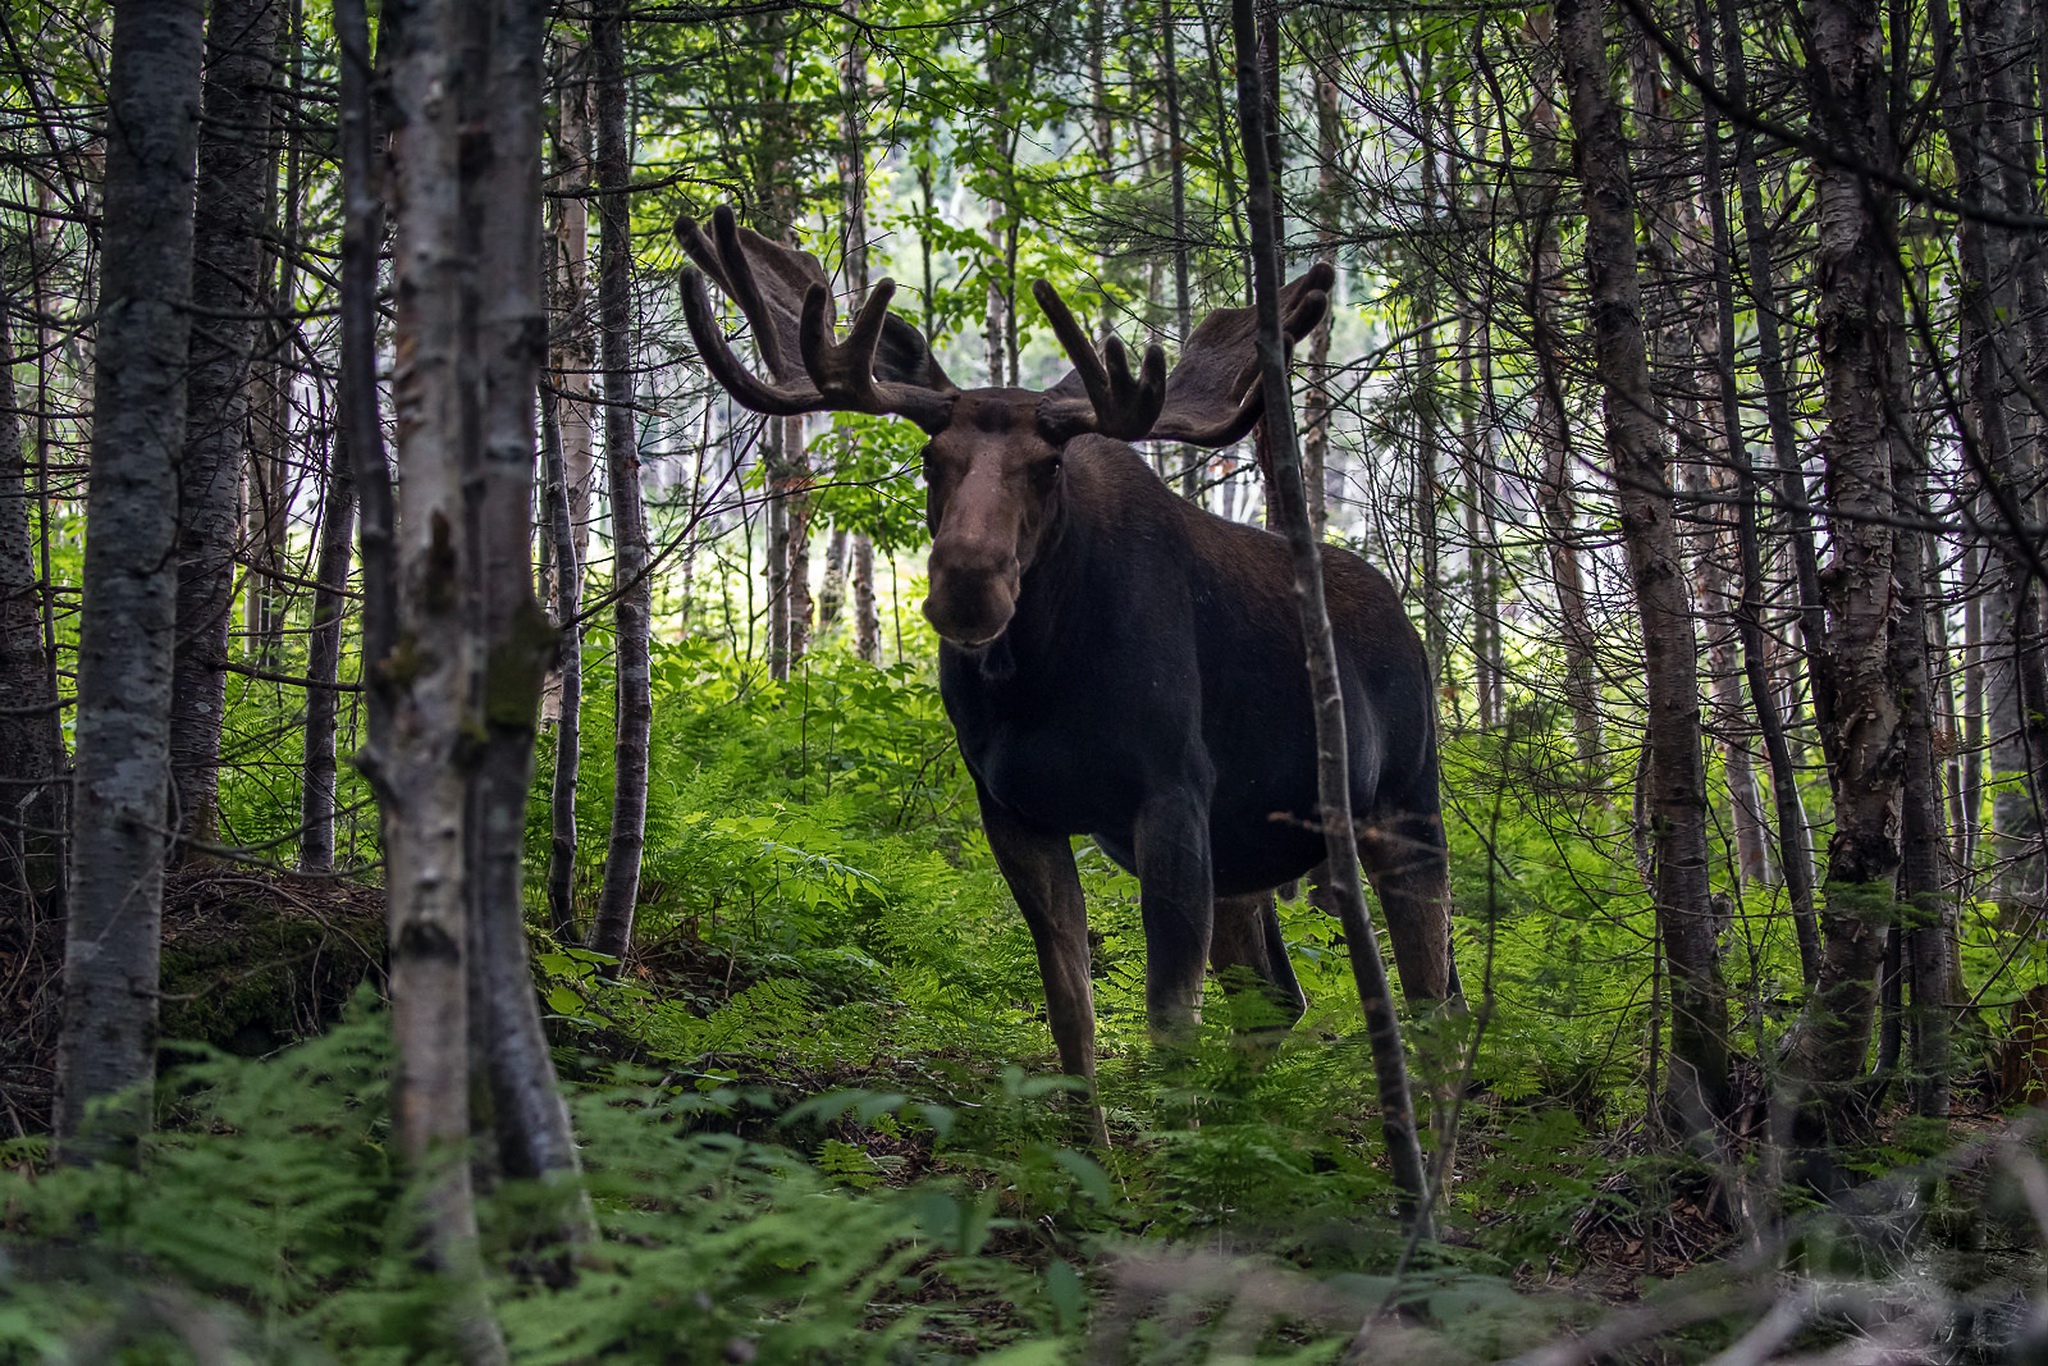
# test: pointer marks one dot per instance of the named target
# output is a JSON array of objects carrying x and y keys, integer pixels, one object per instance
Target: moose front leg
[
  {"x": 1039, "y": 866},
  {"x": 1247, "y": 936},
  {"x": 1176, "y": 897}
]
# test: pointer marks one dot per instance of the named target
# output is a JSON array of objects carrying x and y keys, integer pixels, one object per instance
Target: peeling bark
[{"x": 1859, "y": 318}]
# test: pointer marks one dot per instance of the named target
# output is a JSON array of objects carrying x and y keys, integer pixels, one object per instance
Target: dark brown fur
[{"x": 1139, "y": 678}]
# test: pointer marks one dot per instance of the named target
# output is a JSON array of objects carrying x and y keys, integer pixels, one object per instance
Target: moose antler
[
  {"x": 1118, "y": 405},
  {"x": 1212, "y": 398},
  {"x": 883, "y": 367}
]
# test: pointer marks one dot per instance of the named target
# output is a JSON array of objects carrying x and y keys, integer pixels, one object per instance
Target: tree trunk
[
  {"x": 323, "y": 665},
  {"x": 363, "y": 202},
  {"x": 1724, "y": 671},
  {"x": 1675, "y": 780},
  {"x": 106, "y": 1047},
  {"x": 271, "y": 482},
  {"x": 1770, "y": 365},
  {"x": 1184, "y": 459},
  {"x": 1428, "y": 531},
  {"x": 867, "y": 616},
  {"x": 1316, "y": 409},
  {"x": 424, "y": 745},
  {"x": 797, "y": 460},
  {"x": 611, "y": 930},
  {"x": 1987, "y": 126},
  {"x": 518, "y": 642},
  {"x": 359, "y": 436},
  {"x": 571, "y": 357},
  {"x": 1671, "y": 261},
  {"x": 568, "y": 585},
  {"x": 775, "y": 572},
  {"x": 31, "y": 736},
  {"x": 1969, "y": 780},
  {"x": 1482, "y": 572},
  {"x": 1554, "y": 484},
  {"x": 417, "y": 761},
  {"x": 229, "y": 222},
  {"x": 1858, "y": 317},
  {"x": 853, "y": 253},
  {"x": 1795, "y": 848},
  {"x": 1397, "y": 1112},
  {"x": 867, "y": 624},
  {"x": 1925, "y": 928},
  {"x": 832, "y": 594}
]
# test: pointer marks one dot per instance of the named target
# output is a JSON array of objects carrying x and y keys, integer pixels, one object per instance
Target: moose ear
[
  {"x": 903, "y": 356},
  {"x": 1213, "y": 396}
]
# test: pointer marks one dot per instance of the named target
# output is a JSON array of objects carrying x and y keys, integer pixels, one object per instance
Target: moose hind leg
[
  {"x": 1405, "y": 858},
  {"x": 1247, "y": 936},
  {"x": 1039, "y": 866},
  {"x": 1176, "y": 899}
]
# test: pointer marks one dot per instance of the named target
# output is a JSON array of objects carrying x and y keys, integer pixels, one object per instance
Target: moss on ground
[{"x": 253, "y": 961}]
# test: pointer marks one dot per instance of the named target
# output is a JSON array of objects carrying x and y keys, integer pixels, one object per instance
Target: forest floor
[
  {"x": 253, "y": 961},
  {"x": 1242, "y": 1199}
]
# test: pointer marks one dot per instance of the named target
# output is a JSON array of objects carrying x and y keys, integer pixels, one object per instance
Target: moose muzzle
[{"x": 973, "y": 591}]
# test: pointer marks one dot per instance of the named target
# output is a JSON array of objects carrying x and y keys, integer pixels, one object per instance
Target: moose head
[{"x": 993, "y": 467}]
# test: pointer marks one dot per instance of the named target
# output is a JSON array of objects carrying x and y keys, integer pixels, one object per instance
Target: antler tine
[
  {"x": 777, "y": 400},
  {"x": 1125, "y": 407},
  {"x": 794, "y": 313},
  {"x": 1136, "y": 401},
  {"x": 739, "y": 272},
  {"x": 844, "y": 371},
  {"x": 1314, "y": 301},
  {"x": 1073, "y": 340},
  {"x": 1310, "y": 300}
]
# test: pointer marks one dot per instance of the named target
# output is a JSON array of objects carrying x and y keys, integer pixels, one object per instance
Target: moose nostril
[
  {"x": 970, "y": 608},
  {"x": 972, "y": 558}
]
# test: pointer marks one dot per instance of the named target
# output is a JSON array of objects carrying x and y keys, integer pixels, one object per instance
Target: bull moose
[{"x": 1116, "y": 662}]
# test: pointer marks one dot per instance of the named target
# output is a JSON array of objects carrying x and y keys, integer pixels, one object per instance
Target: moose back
[{"x": 1117, "y": 662}]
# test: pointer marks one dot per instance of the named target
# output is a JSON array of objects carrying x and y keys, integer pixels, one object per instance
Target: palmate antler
[
  {"x": 883, "y": 366},
  {"x": 1212, "y": 398}
]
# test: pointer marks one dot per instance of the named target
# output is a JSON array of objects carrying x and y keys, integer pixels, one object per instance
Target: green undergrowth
[
  {"x": 269, "y": 1223},
  {"x": 821, "y": 1119}
]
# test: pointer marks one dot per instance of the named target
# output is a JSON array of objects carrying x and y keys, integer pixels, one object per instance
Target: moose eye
[{"x": 1045, "y": 472}]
